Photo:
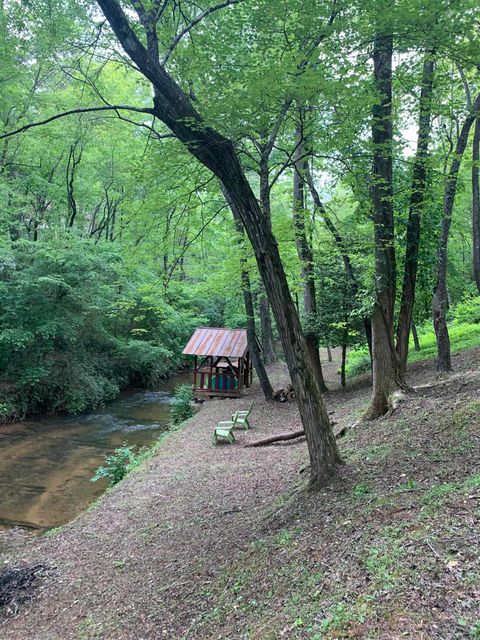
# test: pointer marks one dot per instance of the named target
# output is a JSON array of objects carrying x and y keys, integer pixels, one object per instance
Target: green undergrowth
[{"x": 462, "y": 336}]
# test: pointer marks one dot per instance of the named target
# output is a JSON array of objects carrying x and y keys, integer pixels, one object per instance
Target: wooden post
[{"x": 195, "y": 374}]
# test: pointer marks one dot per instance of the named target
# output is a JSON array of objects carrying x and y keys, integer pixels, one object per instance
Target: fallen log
[
  {"x": 280, "y": 438},
  {"x": 288, "y": 436}
]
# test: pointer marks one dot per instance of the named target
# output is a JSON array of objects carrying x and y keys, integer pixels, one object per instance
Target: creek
[{"x": 46, "y": 463}]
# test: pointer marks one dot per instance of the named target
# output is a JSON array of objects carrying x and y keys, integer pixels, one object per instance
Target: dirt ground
[{"x": 225, "y": 542}]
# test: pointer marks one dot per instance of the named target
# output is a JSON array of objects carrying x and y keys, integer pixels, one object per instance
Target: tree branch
[
  {"x": 57, "y": 116},
  {"x": 201, "y": 16}
]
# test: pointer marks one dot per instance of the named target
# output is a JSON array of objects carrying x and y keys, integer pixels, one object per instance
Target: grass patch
[{"x": 462, "y": 336}]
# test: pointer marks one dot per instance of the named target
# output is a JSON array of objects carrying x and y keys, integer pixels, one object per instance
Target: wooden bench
[
  {"x": 242, "y": 418},
  {"x": 224, "y": 430}
]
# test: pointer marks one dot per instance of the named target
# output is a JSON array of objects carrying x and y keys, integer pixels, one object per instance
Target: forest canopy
[{"x": 306, "y": 169}]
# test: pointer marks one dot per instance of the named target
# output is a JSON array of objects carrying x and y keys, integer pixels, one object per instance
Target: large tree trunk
[
  {"x": 305, "y": 256},
  {"x": 476, "y": 204},
  {"x": 173, "y": 107},
  {"x": 440, "y": 296},
  {"x": 249, "y": 310},
  {"x": 384, "y": 357},
  {"x": 417, "y": 205}
]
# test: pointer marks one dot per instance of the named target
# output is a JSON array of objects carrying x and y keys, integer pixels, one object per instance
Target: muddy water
[{"x": 46, "y": 464}]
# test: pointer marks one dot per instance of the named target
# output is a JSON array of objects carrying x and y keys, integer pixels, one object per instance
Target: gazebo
[{"x": 222, "y": 365}]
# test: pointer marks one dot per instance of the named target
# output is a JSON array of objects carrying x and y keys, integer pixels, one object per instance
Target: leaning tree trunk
[
  {"x": 417, "y": 206},
  {"x": 249, "y": 309},
  {"x": 440, "y": 297},
  {"x": 476, "y": 204},
  {"x": 383, "y": 352},
  {"x": 173, "y": 107},
  {"x": 305, "y": 256}
]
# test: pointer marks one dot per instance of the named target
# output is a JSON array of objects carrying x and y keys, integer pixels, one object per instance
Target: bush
[
  {"x": 358, "y": 362},
  {"x": 467, "y": 311},
  {"x": 181, "y": 407},
  {"x": 142, "y": 363},
  {"x": 117, "y": 465}
]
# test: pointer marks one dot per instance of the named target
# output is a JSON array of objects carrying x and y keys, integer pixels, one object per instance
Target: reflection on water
[{"x": 46, "y": 464}]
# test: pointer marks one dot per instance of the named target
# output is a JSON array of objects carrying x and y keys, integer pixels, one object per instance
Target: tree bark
[
  {"x": 417, "y": 205},
  {"x": 384, "y": 357},
  {"x": 440, "y": 295},
  {"x": 476, "y": 204},
  {"x": 305, "y": 256},
  {"x": 173, "y": 107}
]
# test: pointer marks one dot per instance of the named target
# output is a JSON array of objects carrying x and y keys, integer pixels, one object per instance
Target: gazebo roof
[{"x": 214, "y": 341}]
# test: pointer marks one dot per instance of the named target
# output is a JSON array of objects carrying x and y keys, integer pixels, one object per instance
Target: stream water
[{"x": 46, "y": 464}]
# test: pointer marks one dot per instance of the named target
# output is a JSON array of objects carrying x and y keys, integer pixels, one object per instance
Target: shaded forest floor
[{"x": 224, "y": 542}]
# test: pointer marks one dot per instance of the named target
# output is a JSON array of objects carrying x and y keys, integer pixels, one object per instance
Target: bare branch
[{"x": 57, "y": 116}]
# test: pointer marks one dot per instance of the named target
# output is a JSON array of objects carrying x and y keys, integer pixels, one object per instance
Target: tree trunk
[
  {"x": 266, "y": 331},
  {"x": 417, "y": 205},
  {"x": 347, "y": 263},
  {"x": 174, "y": 109},
  {"x": 416, "y": 341},
  {"x": 476, "y": 204},
  {"x": 342, "y": 369},
  {"x": 305, "y": 256},
  {"x": 383, "y": 352},
  {"x": 440, "y": 297},
  {"x": 329, "y": 354},
  {"x": 249, "y": 310}
]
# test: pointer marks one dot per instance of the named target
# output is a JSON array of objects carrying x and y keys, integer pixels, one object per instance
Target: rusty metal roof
[{"x": 213, "y": 341}]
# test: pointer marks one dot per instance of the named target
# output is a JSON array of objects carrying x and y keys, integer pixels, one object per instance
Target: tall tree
[
  {"x": 174, "y": 108},
  {"x": 417, "y": 206},
  {"x": 305, "y": 253},
  {"x": 476, "y": 204},
  {"x": 384, "y": 358},
  {"x": 249, "y": 307},
  {"x": 440, "y": 297}
]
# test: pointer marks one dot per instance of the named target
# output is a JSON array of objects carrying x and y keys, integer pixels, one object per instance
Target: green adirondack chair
[
  {"x": 224, "y": 430},
  {"x": 242, "y": 418}
]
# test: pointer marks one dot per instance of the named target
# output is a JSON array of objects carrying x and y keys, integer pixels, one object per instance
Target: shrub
[
  {"x": 358, "y": 362},
  {"x": 142, "y": 363},
  {"x": 117, "y": 465},
  {"x": 181, "y": 407},
  {"x": 467, "y": 311}
]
